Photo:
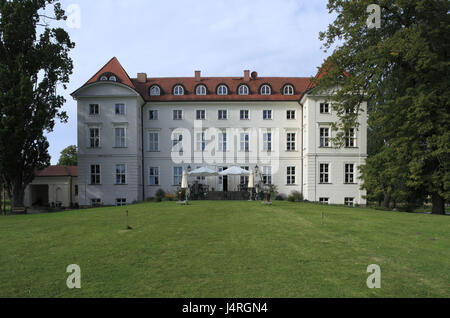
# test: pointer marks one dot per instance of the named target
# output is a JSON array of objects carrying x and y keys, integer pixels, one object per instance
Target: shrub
[
  {"x": 160, "y": 194},
  {"x": 295, "y": 196},
  {"x": 280, "y": 197}
]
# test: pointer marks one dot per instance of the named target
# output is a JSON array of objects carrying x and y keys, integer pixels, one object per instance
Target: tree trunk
[
  {"x": 387, "y": 200},
  {"x": 438, "y": 204},
  {"x": 18, "y": 195}
]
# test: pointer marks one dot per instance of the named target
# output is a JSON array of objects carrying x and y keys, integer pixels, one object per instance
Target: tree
[
  {"x": 34, "y": 61},
  {"x": 401, "y": 70},
  {"x": 68, "y": 156}
]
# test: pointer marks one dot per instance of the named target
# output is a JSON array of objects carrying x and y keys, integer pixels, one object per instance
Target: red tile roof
[
  {"x": 301, "y": 85},
  {"x": 57, "y": 171},
  {"x": 113, "y": 66},
  {"x": 189, "y": 83}
]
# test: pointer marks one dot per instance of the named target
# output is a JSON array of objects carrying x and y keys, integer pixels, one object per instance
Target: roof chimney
[
  {"x": 246, "y": 75},
  {"x": 197, "y": 76},
  {"x": 142, "y": 77}
]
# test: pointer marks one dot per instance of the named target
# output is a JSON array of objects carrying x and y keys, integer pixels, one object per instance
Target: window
[
  {"x": 222, "y": 90},
  {"x": 120, "y": 109},
  {"x": 121, "y": 202},
  {"x": 244, "y": 114},
  {"x": 291, "y": 114},
  {"x": 177, "y": 114},
  {"x": 290, "y": 175},
  {"x": 177, "y": 143},
  {"x": 96, "y": 202},
  {"x": 153, "y": 138},
  {"x": 113, "y": 78},
  {"x": 349, "y": 173},
  {"x": 121, "y": 172},
  {"x": 94, "y": 109},
  {"x": 267, "y": 142},
  {"x": 267, "y": 175},
  {"x": 153, "y": 176},
  {"x": 155, "y": 90},
  {"x": 244, "y": 179},
  {"x": 324, "y": 108},
  {"x": 200, "y": 90},
  {"x": 178, "y": 90},
  {"x": 245, "y": 142},
  {"x": 324, "y": 173},
  {"x": 349, "y": 201},
  {"x": 201, "y": 114},
  {"x": 222, "y": 142},
  {"x": 153, "y": 115},
  {"x": 95, "y": 174},
  {"x": 177, "y": 175},
  {"x": 243, "y": 90},
  {"x": 288, "y": 90},
  {"x": 291, "y": 142},
  {"x": 76, "y": 189},
  {"x": 94, "y": 137},
  {"x": 266, "y": 90},
  {"x": 120, "y": 137},
  {"x": 222, "y": 115},
  {"x": 324, "y": 200},
  {"x": 267, "y": 114},
  {"x": 350, "y": 138},
  {"x": 104, "y": 78},
  {"x": 200, "y": 141},
  {"x": 325, "y": 137}
]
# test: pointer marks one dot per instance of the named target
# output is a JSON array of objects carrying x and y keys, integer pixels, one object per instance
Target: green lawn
[{"x": 225, "y": 249}]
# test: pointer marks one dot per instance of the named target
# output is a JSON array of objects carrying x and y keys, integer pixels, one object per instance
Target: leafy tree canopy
[
  {"x": 34, "y": 60},
  {"x": 68, "y": 156},
  {"x": 402, "y": 70}
]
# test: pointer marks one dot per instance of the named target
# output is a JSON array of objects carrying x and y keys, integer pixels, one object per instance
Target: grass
[{"x": 225, "y": 249}]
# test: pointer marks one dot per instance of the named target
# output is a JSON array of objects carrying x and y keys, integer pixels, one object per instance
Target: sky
[{"x": 169, "y": 38}]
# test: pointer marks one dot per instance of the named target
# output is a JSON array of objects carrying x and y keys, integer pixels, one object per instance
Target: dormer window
[
  {"x": 222, "y": 90},
  {"x": 288, "y": 90},
  {"x": 266, "y": 90},
  {"x": 113, "y": 78},
  {"x": 104, "y": 78},
  {"x": 243, "y": 90},
  {"x": 155, "y": 90},
  {"x": 178, "y": 90},
  {"x": 200, "y": 90}
]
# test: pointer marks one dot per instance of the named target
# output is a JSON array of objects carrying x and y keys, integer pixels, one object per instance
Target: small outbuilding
[{"x": 53, "y": 187}]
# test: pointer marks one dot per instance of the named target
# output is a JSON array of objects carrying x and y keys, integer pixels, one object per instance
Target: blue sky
[{"x": 174, "y": 38}]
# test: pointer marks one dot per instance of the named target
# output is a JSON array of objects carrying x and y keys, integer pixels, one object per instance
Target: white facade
[
  {"x": 142, "y": 149},
  {"x": 336, "y": 189}
]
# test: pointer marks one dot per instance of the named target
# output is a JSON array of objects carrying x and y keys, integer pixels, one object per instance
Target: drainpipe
[{"x": 142, "y": 152}]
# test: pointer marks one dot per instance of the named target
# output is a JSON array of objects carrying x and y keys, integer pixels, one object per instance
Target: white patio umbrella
[
  {"x": 251, "y": 183},
  {"x": 251, "y": 180},
  {"x": 235, "y": 171},
  {"x": 184, "y": 180},
  {"x": 184, "y": 185},
  {"x": 203, "y": 172}
]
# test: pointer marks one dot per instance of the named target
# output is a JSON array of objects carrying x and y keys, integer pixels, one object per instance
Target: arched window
[
  {"x": 178, "y": 90},
  {"x": 104, "y": 78},
  {"x": 243, "y": 90},
  {"x": 200, "y": 90},
  {"x": 222, "y": 90},
  {"x": 112, "y": 78},
  {"x": 265, "y": 90},
  {"x": 288, "y": 90},
  {"x": 155, "y": 90}
]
